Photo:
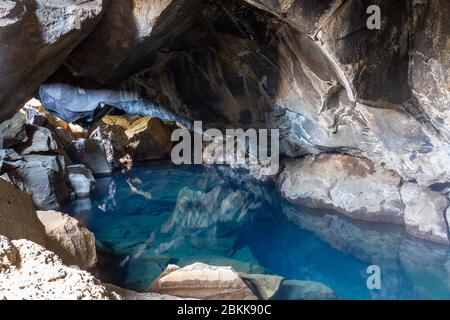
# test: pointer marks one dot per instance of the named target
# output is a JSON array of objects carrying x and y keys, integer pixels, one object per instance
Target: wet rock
[
  {"x": 425, "y": 213},
  {"x": 18, "y": 219},
  {"x": 126, "y": 294},
  {"x": 304, "y": 290},
  {"x": 149, "y": 139},
  {"x": 53, "y": 30},
  {"x": 227, "y": 212},
  {"x": 352, "y": 186},
  {"x": 266, "y": 286},
  {"x": 202, "y": 281},
  {"x": 41, "y": 176},
  {"x": 30, "y": 272},
  {"x": 71, "y": 241},
  {"x": 81, "y": 180},
  {"x": 91, "y": 154}
]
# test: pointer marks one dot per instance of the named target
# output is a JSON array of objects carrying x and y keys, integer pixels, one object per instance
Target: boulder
[
  {"x": 71, "y": 241},
  {"x": 304, "y": 290},
  {"x": 40, "y": 140},
  {"x": 81, "y": 180},
  {"x": 54, "y": 29},
  {"x": 126, "y": 294},
  {"x": 29, "y": 272},
  {"x": 18, "y": 219},
  {"x": 120, "y": 121},
  {"x": 266, "y": 286},
  {"x": 149, "y": 138},
  {"x": 202, "y": 281},
  {"x": 113, "y": 140},
  {"x": 12, "y": 131},
  {"x": 352, "y": 186},
  {"x": 425, "y": 213},
  {"x": 41, "y": 176},
  {"x": 91, "y": 154}
]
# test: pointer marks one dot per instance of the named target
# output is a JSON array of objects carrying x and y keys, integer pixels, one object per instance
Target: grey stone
[
  {"x": 81, "y": 180},
  {"x": 91, "y": 154},
  {"x": 35, "y": 38}
]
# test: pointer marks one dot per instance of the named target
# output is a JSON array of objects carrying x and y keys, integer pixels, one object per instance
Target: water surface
[{"x": 160, "y": 214}]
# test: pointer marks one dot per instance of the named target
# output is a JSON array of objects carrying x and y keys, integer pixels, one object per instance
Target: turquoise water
[{"x": 187, "y": 214}]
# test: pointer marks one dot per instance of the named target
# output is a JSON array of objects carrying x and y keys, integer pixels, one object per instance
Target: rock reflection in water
[{"x": 212, "y": 216}]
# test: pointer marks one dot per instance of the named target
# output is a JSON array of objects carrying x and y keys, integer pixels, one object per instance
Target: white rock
[
  {"x": 30, "y": 272},
  {"x": 202, "y": 281},
  {"x": 352, "y": 186},
  {"x": 425, "y": 213}
]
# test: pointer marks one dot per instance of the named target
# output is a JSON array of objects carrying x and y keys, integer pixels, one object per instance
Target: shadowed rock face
[
  {"x": 35, "y": 38},
  {"x": 310, "y": 68}
]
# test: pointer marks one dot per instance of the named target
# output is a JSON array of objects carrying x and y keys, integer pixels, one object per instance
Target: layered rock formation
[
  {"x": 361, "y": 190},
  {"x": 204, "y": 282},
  {"x": 71, "y": 241}
]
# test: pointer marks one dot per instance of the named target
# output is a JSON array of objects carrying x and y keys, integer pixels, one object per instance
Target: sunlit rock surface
[
  {"x": 30, "y": 272},
  {"x": 71, "y": 241},
  {"x": 203, "y": 282}
]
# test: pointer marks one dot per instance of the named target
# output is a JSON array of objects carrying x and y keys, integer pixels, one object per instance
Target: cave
[{"x": 311, "y": 148}]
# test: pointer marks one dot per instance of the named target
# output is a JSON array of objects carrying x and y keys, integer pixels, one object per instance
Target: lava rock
[
  {"x": 18, "y": 219},
  {"x": 71, "y": 241},
  {"x": 202, "y": 281},
  {"x": 81, "y": 180},
  {"x": 91, "y": 154},
  {"x": 47, "y": 31}
]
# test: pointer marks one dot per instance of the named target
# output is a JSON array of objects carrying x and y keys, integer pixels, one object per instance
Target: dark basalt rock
[{"x": 35, "y": 38}]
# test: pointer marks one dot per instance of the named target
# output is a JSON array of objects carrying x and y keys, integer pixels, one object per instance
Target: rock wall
[
  {"x": 45, "y": 30},
  {"x": 309, "y": 68}
]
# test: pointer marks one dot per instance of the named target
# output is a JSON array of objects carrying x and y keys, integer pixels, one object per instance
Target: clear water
[{"x": 217, "y": 216}]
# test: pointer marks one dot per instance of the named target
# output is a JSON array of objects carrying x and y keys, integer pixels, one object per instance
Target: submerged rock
[
  {"x": 304, "y": 290},
  {"x": 66, "y": 237},
  {"x": 202, "y": 281},
  {"x": 266, "y": 286},
  {"x": 30, "y": 272},
  {"x": 18, "y": 219},
  {"x": 126, "y": 294}
]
